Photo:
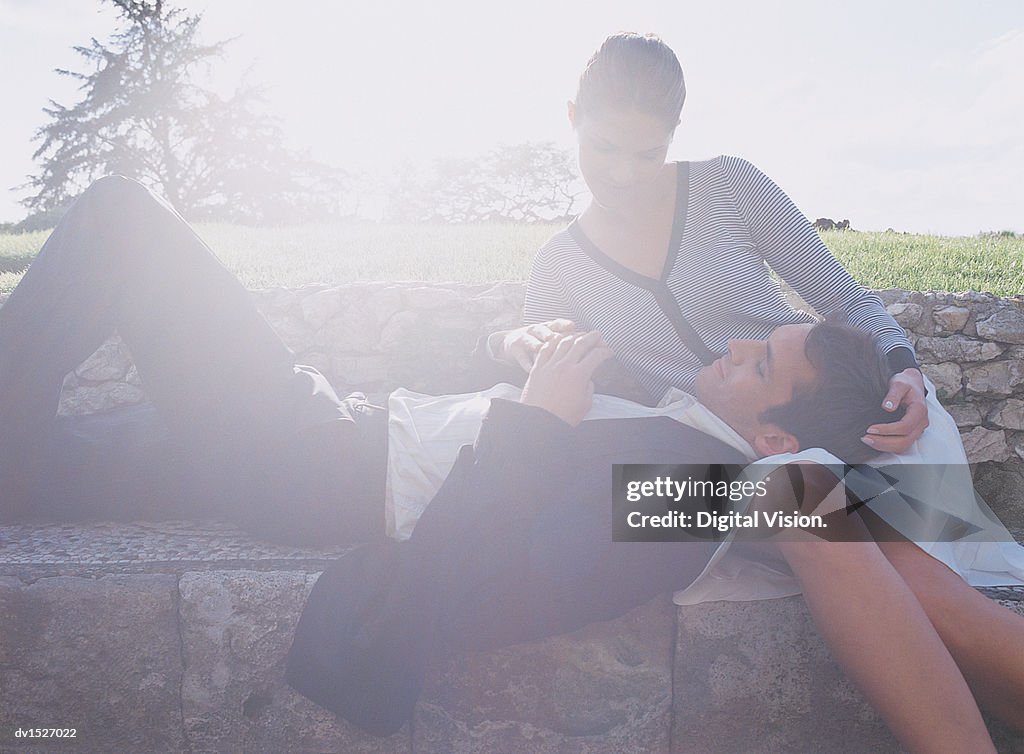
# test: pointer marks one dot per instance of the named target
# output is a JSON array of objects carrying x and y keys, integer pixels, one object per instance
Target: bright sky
[{"x": 892, "y": 114}]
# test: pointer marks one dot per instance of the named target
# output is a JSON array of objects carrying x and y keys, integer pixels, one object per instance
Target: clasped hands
[
  {"x": 561, "y": 379},
  {"x": 564, "y": 384}
]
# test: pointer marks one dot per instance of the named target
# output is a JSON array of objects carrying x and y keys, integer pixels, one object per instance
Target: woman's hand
[
  {"x": 521, "y": 346},
  {"x": 905, "y": 389},
  {"x": 561, "y": 380}
]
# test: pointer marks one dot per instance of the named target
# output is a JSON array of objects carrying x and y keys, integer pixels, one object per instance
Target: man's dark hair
[{"x": 846, "y": 398}]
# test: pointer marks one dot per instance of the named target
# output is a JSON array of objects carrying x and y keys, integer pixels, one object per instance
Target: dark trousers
[{"x": 245, "y": 433}]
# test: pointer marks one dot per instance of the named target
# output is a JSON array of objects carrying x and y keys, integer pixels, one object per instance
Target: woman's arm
[
  {"x": 794, "y": 250},
  {"x": 546, "y": 316},
  {"x": 545, "y": 295}
]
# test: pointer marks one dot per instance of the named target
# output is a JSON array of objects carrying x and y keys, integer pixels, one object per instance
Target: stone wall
[
  {"x": 378, "y": 336},
  {"x": 372, "y": 337},
  {"x": 971, "y": 345},
  {"x": 172, "y": 637}
]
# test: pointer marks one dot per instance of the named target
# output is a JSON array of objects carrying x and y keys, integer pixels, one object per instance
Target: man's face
[{"x": 755, "y": 375}]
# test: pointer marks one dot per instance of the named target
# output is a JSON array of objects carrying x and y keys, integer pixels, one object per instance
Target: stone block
[
  {"x": 957, "y": 348},
  {"x": 907, "y": 315},
  {"x": 755, "y": 676},
  {"x": 236, "y": 631},
  {"x": 99, "y": 655},
  {"x": 1006, "y": 326},
  {"x": 398, "y": 329},
  {"x": 501, "y": 299},
  {"x": 354, "y": 329},
  {"x": 948, "y": 379},
  {"x": 110, "y": 362},
  {"x": 964, "y": 414},
  {"x": 995, "y": 378},
  {"x": 604, "y": 688},
  {"x": 379, "y": 300},
  {"x": 318, "y": 308},
  {"x": 425, "y": 297},
  {"x": 982, "y": 445},
  {"x": 1008, "y": 414},
  {"x": 94, "y": 399},
  {"x": 950, "y": 319}
]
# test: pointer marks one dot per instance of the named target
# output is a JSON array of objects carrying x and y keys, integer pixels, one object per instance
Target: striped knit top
[{"x": 732, "y": 224}]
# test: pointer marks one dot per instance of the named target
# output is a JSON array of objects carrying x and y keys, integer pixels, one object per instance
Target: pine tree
[{"x": 142, "y": 114}]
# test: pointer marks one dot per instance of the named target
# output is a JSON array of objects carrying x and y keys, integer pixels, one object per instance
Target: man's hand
[
  {"x": 561, "y": 380},
  {"x": 521, "y": 346},
  {"x": 905, "y": 389}
]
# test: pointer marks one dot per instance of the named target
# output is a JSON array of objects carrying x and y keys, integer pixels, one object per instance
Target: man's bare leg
[{"x": 985, "y": 639}]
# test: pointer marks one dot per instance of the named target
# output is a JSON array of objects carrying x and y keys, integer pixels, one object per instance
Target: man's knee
[{"x": 117, "y": 193}]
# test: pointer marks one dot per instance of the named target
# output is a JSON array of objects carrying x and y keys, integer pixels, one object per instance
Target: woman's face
[{"x": 621, "y": 155}]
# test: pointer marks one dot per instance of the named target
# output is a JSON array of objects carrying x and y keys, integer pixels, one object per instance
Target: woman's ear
[
  {"x": 571, "y": 108},
  {"x": 771, "y": 440}
]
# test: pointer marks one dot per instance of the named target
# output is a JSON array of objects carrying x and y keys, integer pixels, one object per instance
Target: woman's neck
[
  {"x": 637, "y": 236},
  {"x": 648, "y": 206}
]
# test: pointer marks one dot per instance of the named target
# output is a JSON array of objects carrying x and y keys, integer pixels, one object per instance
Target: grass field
[{"x": 265, "y": 257}]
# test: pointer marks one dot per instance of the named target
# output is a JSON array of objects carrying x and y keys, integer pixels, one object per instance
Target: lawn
[
  {"x": 265, "y": 257},
  {"x": 993, "y": 264}
]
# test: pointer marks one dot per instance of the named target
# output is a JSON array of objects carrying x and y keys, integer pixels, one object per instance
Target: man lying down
[{"x": 516, "y": 542}]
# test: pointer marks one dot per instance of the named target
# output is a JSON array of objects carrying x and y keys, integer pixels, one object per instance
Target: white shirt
[{"x": 425, "y": 434}]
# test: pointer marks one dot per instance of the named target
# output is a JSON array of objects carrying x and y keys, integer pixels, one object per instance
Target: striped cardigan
[{"x": 732, "y": 224}]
